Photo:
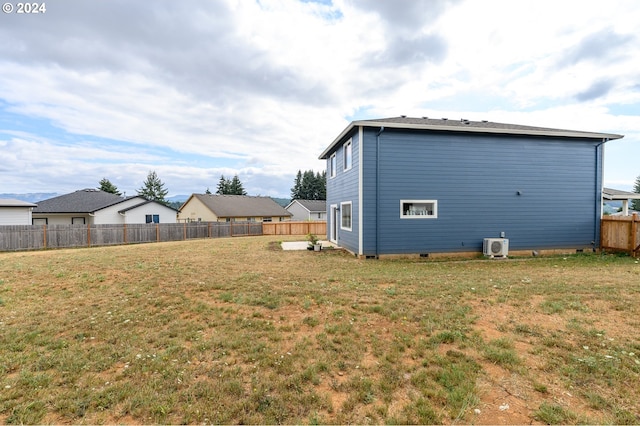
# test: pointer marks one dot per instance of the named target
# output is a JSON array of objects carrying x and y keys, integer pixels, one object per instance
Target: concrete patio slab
[{"x": 302, "y": 245}]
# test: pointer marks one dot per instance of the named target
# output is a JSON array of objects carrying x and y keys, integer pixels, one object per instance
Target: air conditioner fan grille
[{"x": 496, "y": 247}]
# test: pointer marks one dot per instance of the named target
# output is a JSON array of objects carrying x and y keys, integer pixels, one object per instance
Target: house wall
[
  {"x": 475, "y": 180},
  {"x": 301, "y": 213},
  {"x": 298, "y": 212},
  {"x": 344, "y": 188},
  {"x": 195, "y": 210},
  {"x": 253, "y": 219},
  {"x": 15, "y": 215},
  {"x": 138, "y": 214},
  {"x": 62, "y": 218},
  {"x": 110, "y": 214}
]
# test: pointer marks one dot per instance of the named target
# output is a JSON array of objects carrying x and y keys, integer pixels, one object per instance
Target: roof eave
[{"x": 469, "y": 129}]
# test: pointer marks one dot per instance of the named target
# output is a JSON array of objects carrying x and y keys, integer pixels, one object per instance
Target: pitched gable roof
[
  {"x": 10, "y": 202},
  {"x": 81, "y": 201},
  {"x": 145, "y": 202},
  {"x": 616, "y": 194},
  {"x": 464, "y": 125},
  {"x": 312, "y": 206},
  {"x": 241, "y": 205}
]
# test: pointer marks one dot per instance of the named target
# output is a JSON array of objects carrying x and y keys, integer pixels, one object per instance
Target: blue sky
[{"x": 198, "y": 89}]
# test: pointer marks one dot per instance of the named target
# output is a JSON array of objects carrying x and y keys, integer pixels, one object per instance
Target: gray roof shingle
[
  {"x": 313, "y": 205},
  {"x": 81, "y": 201},
  {"x": 241, "y": 205}
]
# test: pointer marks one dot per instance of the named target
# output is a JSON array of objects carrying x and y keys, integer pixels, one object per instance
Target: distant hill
[
  {"x": 178, "y": 198},
  {"x": 32, "y": 197}
]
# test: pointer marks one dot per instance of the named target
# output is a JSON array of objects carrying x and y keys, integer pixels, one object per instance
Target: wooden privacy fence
[
  {"x": 621, "y": 233},
  {"x": 35, "y": 237},
  {"x": 318, "y": 228}
]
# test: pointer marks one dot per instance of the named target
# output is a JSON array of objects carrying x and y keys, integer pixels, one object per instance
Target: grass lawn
[{"x": 238, "y": 331}]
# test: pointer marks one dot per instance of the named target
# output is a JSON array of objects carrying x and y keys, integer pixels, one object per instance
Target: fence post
[
  {"x": 634, "y": 232},
  {"x": 124, "y": 233},
  {"x": 88, "y": 235},
  {"x": 184, "y": 231},
  {"x": 44, "y": 235}
]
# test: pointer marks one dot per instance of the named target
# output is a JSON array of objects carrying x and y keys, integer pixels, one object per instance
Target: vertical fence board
[
  {"x": 621, "y": 233},
  {"x": 36, "y": 237}
]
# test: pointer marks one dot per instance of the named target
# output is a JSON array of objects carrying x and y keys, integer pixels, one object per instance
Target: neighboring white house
[
  {"x": 95, "y": 207},
  {"x": 149, "y": 212},
  {"x": 15, "y": 212},
  {"x": 308, "y": 209},
  {"x": 618, "y": 195}
]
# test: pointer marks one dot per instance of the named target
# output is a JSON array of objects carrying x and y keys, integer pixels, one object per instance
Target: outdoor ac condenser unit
[{"x": 495, "y": 247}]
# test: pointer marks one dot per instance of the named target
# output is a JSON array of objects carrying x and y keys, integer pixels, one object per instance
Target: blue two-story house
[{"x": 424, "y": 186}]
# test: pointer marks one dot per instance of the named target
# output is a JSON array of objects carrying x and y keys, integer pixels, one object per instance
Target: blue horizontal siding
[
  {"x": 342, "y": 188},
  {"x": 475, "y": 179}
]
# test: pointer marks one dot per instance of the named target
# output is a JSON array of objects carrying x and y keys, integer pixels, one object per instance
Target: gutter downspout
[
  {"x": 378, "y": 190},
  {"x": 596, "y": 219}
]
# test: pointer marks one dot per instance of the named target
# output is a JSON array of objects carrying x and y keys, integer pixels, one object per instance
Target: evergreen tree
[
  {"x": 321, "y": 179},
  {"x": 297, "y": 187},
  {"x": 223, "y": 186},
  {"x": 230, "y": 186},
  {"x": 208, "y": 191},
  {"x": 310, "y": 186},
  {"x": 235, "y": 187},
  {"x": 153, "y": 188},
  {"x": 107, "y": 186},
  {"x": 635, "y": 204}
]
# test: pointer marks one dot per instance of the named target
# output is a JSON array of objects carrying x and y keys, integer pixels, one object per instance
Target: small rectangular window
[
  {"x": 418, "y": 209},
  {"x": 348, "y": 155},
  {"x": 267, "y": 219},
  {"x": 345, "y": 214},
  {"x": 332, "y": 165}
]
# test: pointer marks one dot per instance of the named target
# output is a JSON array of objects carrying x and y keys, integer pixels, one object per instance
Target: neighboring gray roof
[
  {"x": 616, "y": 194},
  {"x": 144, "y": 203},
  {"x": 312, "y": 206},
  {"x": 464, "y": 125},
  {"x": 81, "y": 201},
  {"x": 241, "y": 205},
  {"x": 10, "y": 202}
]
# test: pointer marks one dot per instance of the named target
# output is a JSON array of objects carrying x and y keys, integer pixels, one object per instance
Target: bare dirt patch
[{"x": 238, "y": 331}]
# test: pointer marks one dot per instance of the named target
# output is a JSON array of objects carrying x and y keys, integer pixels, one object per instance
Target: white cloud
[{"x": 194, "y": 90}]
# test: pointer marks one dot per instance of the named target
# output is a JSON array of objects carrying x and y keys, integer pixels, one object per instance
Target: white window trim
[
  {"x": 349, "y": 144},
  {"x": 432, "y": 216},
  {"x": 341, "y": 210},
  {"x": 332, "y": 165}
]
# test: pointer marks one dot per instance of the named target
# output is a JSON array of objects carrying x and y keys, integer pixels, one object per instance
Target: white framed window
[
  {"x": 419, "y": 209},
  {"x": 332, "y": 165},
  {"x": 348, "y": 155},
  {"x": 345, "y": 216}
]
